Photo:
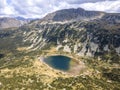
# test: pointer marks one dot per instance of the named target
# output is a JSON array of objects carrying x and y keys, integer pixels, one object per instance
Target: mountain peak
[{"x": 72, "y": 14}]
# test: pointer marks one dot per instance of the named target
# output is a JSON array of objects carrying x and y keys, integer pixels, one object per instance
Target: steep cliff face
[
  {"x": 98, "y": 37},
  {"x": 82, "y": 38}
]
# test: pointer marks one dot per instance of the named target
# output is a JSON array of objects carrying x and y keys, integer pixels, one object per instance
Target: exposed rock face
[
  {"x": 82, "y": 38},
  {"x": 97, "y": 37}
]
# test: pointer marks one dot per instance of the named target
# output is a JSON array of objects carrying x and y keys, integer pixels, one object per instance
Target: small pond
[{"x": 59, "y": 62}]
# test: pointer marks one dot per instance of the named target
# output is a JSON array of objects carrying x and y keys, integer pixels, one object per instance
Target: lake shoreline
[{"x": 74, "y": 70}]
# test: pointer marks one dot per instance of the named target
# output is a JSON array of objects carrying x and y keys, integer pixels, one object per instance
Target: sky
[{"x": 39, "y": 8}]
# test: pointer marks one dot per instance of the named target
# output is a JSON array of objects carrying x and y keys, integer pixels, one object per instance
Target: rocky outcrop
[{"x": 82, "y": 38}]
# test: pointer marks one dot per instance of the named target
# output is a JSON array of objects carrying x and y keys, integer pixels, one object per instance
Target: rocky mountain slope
[
  {"x": 97, "y": 37},
  {"x": 7, "y": 22}
]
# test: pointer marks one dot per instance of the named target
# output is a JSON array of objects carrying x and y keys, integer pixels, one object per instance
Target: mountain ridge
[{"x": 72, "y": 14}]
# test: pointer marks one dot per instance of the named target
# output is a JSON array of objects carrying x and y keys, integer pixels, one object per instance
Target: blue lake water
[{"x": 58, "y": 62}]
